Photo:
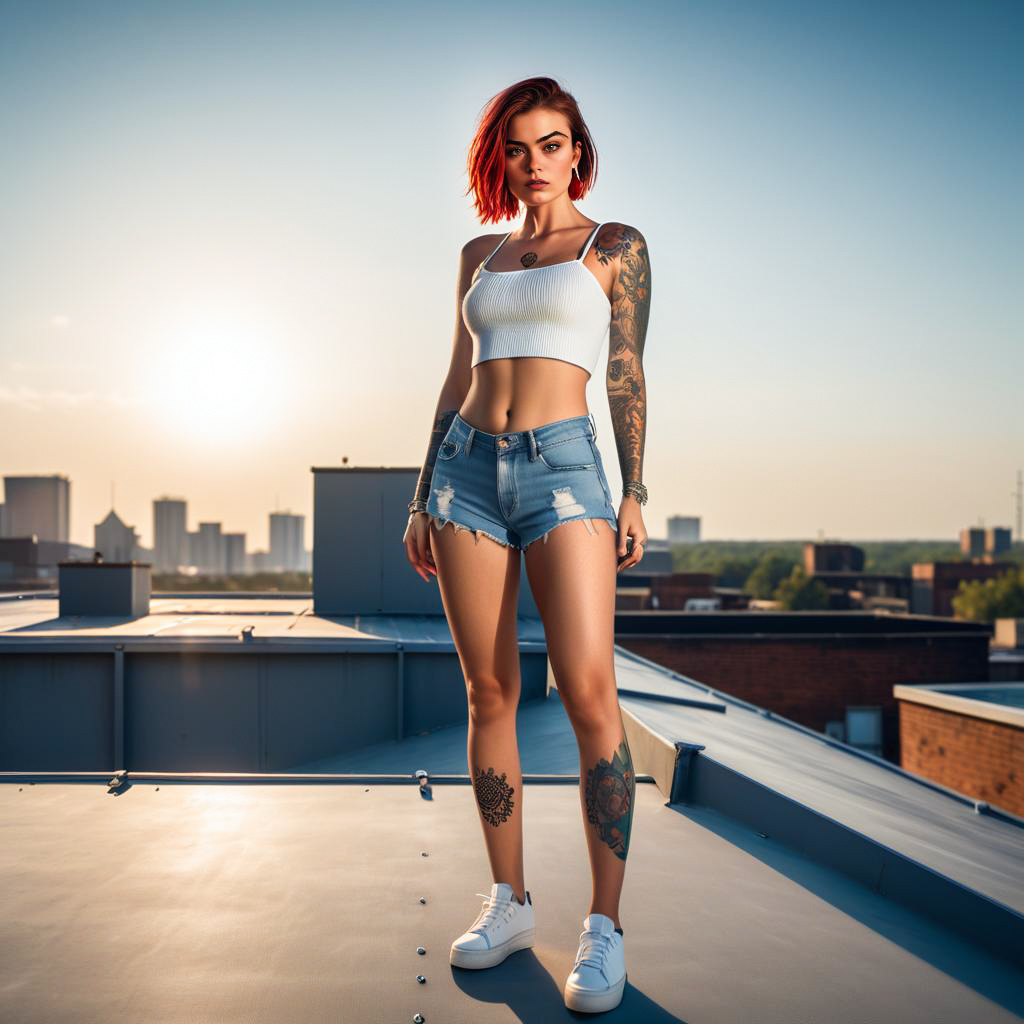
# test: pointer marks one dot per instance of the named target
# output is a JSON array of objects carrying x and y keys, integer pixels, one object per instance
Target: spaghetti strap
[
  {"x": 586, "y": 248},
  {"x": 496, "y": 248}
]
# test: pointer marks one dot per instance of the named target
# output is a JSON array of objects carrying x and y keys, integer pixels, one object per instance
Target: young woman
[{"x": 513, "y": 459}]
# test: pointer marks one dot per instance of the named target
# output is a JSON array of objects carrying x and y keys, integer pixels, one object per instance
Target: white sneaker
[
  {"x": 598, "y": 978},
  {"x": 502, "y": 926}
]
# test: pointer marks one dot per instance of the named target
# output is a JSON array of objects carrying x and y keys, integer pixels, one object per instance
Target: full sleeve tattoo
[
  {"x": 631, "y": 302},
  {"x": 442, "y": 421}
]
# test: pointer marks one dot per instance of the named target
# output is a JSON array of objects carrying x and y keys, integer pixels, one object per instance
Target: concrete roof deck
[
  {"x": 253, "y": 902},
  {"x": 177, "y": 898}
]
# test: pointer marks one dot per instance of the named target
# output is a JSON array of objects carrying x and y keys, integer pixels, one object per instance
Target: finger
[
  {"x": 428, "y": 552},
  {"x": 634, "y": 556}
]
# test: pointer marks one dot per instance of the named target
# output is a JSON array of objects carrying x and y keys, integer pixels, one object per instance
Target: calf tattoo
[
  {"x": 609, "y": 792},
  {"x": 494, "y": 795}
]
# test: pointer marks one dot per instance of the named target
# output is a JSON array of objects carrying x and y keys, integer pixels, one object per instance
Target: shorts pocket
[
  {"x": 448, "y": 449},
  {"x": 574, "y": 453}
]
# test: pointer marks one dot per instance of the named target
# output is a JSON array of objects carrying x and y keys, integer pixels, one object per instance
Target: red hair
[{"x": 494, "y": 200}]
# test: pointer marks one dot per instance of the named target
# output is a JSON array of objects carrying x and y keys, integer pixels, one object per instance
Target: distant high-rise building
[
  {"x": 170, "y": 535},
  {"x": 37, "y": 505},
  {"x": 998, "y": 540},
  {"x": 234, "y": 554},
  {"x": 209, "y": 553},
  {"x": 287, "y": 541},
  {"x": 972, "y": 541},
  {"x": 684, "y": 529},
  {"x": 115, "y": 540}
]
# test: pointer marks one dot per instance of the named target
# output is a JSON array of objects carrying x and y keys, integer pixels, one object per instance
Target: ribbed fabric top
[{"x": 557, "y": 312}]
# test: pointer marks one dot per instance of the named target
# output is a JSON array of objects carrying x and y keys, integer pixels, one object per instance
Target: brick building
[
  {"x": 935, "y": 583},
  {"x": 968, "y": 736},
  {"x": 830, "y": 671}
]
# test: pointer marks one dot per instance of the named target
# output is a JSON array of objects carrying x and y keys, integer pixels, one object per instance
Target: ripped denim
[{"x": 515, "y": 488}]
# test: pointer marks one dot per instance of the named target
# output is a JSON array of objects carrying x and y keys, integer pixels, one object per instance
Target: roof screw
[
  {"x": 423, "y": 899},
  {"x": 418, "y": 1018},
  {"x": 420, "y": 950},
  {"x": 421, "y": 978}
]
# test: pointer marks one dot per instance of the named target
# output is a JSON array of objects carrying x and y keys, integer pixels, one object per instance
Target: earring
[{"x": 577, "y": 173}]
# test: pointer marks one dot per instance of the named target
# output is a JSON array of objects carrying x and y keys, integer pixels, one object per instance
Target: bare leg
[
  {"x": 572, "y": 576},
  {"x": 479, "y": 580}
]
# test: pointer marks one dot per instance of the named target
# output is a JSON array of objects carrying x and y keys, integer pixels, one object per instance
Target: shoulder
[
  {"x": 477, "y": 248},
  {"x": 616, "y": 242}
]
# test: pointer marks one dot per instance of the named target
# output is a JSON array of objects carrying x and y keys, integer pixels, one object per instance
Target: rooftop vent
[{"x": 104, "y": 588}]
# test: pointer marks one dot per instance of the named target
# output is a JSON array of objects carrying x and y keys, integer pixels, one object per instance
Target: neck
[{"x": 558, "y": 215}]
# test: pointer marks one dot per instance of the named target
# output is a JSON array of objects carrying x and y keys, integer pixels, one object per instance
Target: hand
[
  {"x": 631, "y": 524},
  {"x": 417, "y": 545}
]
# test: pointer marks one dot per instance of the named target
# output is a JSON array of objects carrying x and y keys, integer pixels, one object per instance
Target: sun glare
[{"x": 219, "y": 383}]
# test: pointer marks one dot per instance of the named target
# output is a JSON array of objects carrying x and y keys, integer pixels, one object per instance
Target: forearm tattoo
[
  {"x": 631, "y": 303},
  {"x": 441, "y": 425},
  {"x": 610, "y": 790},
  {"x": 494, "y": 795}
]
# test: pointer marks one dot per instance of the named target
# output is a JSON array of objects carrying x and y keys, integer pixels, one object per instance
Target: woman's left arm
[{"x": 627, "y": 391}]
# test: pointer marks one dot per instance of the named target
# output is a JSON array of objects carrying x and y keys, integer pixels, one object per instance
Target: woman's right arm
[{"x": 453, "y": 392}]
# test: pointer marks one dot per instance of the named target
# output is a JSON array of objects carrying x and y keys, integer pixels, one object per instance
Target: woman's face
[{"x": 539, "y": 146}]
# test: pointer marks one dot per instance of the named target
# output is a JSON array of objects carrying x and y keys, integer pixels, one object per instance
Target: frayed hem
[
  {"x": 589, "y": 520},
  {"x": 477, "y": 534}
]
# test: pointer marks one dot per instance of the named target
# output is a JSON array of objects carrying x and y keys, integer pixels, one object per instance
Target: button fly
[{"x": 502, "y": 442}]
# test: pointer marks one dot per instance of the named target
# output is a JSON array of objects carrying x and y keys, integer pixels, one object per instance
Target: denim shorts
[{"x": 517, "y": 487}]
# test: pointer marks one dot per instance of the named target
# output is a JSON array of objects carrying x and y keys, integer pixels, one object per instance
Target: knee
[
  {"x": 491, "y": 698},
  {"x": 591, "y": 704}
]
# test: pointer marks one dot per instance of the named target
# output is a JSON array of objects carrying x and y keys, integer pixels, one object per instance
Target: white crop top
[{"x": 559, "y": 311}]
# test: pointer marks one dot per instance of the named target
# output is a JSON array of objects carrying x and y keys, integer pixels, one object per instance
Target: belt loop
[
  {"x": 533, "y": 444},
  {"x": 469, "y": 439},
  {"x": 593, "y": 426}
]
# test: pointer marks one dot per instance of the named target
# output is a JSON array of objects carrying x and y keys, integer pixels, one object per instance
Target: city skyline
[{"x": 207, "y": 214}]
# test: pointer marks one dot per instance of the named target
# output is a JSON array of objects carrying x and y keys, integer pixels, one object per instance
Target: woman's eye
[{"x": 555, "y": 144}]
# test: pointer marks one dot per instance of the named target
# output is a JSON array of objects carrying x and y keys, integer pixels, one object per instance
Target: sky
[{"x": 229, "y": 237}]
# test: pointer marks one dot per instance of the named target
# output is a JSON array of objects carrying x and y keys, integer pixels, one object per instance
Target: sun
[{"x": 219, "y": 382}]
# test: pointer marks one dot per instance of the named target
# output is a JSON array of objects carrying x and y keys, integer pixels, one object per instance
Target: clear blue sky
[{"x": 229, "y": 235}]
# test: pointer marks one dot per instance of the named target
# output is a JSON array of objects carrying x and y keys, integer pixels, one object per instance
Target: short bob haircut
[{"x": 494, "y": 200}]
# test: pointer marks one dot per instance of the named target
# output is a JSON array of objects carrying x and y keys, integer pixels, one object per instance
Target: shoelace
[
  {"x": 491, "y": 911},
  {"x": 593, "y": 949}
]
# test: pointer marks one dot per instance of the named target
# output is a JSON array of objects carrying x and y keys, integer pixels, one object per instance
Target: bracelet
[
  {"x": 636, "y": 489},
  {"x": 417, "y": 505}
]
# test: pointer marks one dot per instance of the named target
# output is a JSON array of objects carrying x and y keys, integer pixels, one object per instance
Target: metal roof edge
[
  {"x": 979, "y": 806},
  {"x": 118, "y": 778}
]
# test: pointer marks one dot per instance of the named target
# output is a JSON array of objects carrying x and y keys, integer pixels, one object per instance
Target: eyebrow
[{"x": 510, "y": 142}]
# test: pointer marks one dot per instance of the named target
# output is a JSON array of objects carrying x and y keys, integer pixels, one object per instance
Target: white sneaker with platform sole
[
  {"x": 503, "y": 926},
  {"x": 598, "y": 977}
]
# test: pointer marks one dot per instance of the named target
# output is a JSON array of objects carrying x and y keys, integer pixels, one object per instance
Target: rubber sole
[
  {"x": 594, "y": 1002},
  {"x": 475, "y": 959}
]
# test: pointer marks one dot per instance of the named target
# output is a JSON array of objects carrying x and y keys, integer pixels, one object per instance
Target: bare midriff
[{"x": 507, "y": 395}]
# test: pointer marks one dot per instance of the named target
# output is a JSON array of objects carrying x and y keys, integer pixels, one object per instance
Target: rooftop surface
[
  {"x": 783, "y": 876},
  {"x": 300, "y": 902}
]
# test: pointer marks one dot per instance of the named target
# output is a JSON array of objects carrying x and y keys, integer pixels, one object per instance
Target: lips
[{"x": 535, "y": 182}]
